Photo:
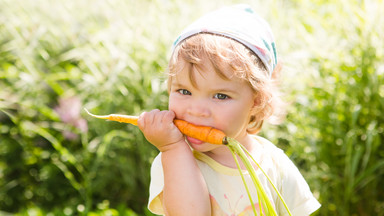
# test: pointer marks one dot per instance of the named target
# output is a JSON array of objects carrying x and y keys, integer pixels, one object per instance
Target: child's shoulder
[
  {"x": 266, "y": 145},
  {"x": 269, "y": 150}
]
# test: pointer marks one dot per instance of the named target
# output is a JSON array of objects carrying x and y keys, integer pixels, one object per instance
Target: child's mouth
[{"x": 194, "y": 140}]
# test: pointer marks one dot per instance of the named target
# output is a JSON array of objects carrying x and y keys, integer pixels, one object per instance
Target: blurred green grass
[{"x": 57, "y": 57}]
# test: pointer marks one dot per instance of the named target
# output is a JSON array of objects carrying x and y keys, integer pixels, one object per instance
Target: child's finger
[
  {"x": 168, "y": 116},
  {"x": 147, "y": 118},
  {"x": 140, "y": 121}
]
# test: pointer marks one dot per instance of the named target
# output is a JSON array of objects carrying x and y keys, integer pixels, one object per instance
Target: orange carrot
[
  {"x": 203, "y": 133},
  {"x": 117, "y": 117}
]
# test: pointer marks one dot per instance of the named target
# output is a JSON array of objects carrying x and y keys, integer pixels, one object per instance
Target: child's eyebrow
[
  {"x": 225, "y": 90},
  {"x": 177, "y": 85}
]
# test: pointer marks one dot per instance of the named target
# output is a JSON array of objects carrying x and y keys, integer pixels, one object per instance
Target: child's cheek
[
  {"x": 175, "y": 106},
  {"x": 232, "y": 127}
]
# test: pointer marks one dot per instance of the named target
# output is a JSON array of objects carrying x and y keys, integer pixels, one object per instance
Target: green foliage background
[{"x": 58, "y": 57}]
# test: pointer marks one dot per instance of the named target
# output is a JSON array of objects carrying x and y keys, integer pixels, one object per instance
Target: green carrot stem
[
  {"x": 263, "y": 198},
  {"x": 244, "y": 182},
  {"x": 270, "y": 181}
]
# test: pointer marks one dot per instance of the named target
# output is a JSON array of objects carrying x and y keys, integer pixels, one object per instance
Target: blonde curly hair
[{"x": 224, "y": 52}]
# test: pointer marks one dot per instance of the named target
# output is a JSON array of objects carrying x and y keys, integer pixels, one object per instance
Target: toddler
[{"x": 222, "y": 75}]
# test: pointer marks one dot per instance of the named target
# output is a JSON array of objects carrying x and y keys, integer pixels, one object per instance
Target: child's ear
[{"x": 256, "y": 105}]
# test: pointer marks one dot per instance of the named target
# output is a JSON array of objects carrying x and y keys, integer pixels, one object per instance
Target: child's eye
[
  {"x": 221, "y": 96},
  {"x": 184, "y": 92}
]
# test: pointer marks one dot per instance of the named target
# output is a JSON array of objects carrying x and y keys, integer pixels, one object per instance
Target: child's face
[{"x": 216, "y": 102}]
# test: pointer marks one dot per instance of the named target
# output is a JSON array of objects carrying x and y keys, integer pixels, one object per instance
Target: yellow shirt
[{"x": 227, "y": 192}]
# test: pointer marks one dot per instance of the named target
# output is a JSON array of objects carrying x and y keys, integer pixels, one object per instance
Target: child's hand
[
  {"x": 181, "y": 173},
  {"x": 158, "y": 128}
]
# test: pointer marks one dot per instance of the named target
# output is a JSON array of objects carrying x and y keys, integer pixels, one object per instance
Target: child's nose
[{"x": 198, "y": 108}]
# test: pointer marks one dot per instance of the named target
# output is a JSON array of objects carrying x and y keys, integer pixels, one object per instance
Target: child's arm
[{"x": 185, "y": 191}]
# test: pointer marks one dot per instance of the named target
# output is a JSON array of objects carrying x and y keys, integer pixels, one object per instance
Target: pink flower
[{"x": 69, "y": 112}]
